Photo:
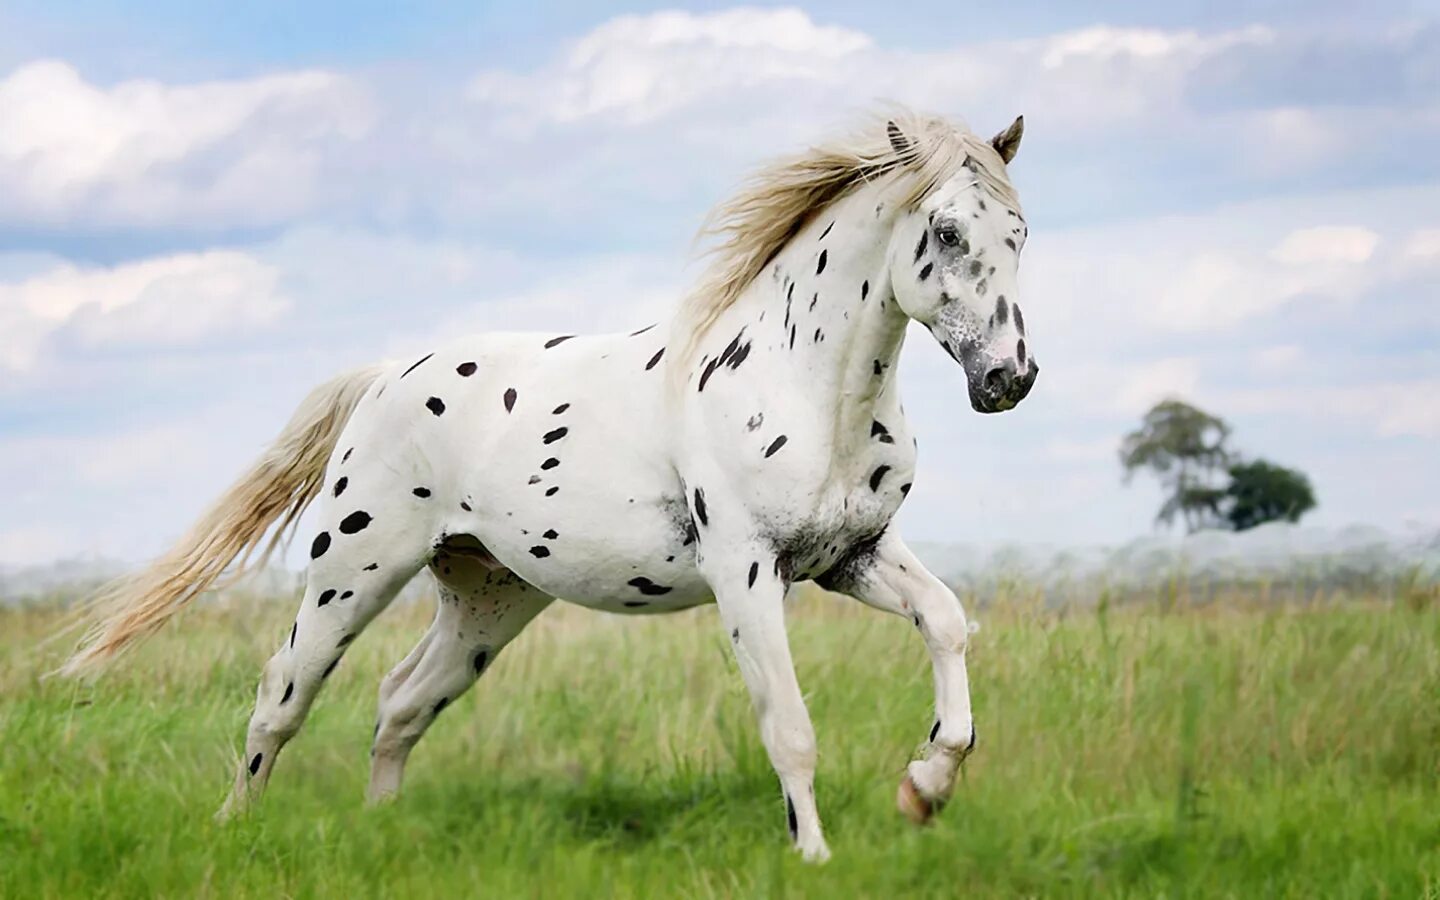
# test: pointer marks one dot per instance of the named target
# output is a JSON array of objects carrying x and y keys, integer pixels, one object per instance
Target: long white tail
[{"x": 277, "y": 488}]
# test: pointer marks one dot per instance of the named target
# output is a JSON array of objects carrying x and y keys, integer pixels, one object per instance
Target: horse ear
[
  {"x": 1007, "y": 142},
  {"x": 898, "y": 141}
]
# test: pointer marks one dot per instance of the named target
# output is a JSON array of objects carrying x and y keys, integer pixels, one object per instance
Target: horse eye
[{"x": 948, "y": 236}]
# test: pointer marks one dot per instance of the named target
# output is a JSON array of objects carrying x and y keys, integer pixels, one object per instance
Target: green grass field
[{"x": 1235, "y": 750}]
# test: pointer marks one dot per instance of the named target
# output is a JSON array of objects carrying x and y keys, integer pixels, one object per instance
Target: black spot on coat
[
  {"x": 553, "y": 436},
  {"x": 325, "y": 597},
  {"x": 539, "y": 551},
  {"x": 510, "y": 396},
  {"x": 320, "y": 545},
  {"x": 700, "y": 507},
  {"x": 555, "y": 342},
  {"x": 355, "y": 523},
  {"x": 255, "y": 762},
  {"x": 435, "y": 405},
  {"x": 289, "y": 692},
  {"x": 775, "y": 446},
  {"x": 340, "y": 485},
  {"x": 466, "y": 369},
  {"x": 877, "y": 476},
  {"x": 654, "y": 360},
  {"x": 550, "y": 463},
  {"x": 646, "y": 586},
  {"x": 754, "y": 573},
  {"x": 820, "y": 266},
  {"x": 920, "y": 247},
  {"x": 421, "y": 492}
]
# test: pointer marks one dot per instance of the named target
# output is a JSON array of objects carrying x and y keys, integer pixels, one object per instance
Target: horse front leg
[
  {"x": 895, "y": 581},
  {"x": 750, "y": 593}
]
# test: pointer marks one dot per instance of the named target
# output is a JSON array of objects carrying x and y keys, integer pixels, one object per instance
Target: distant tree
[
  {"x": 1185, "y": 448},
  {"x": 1261, "y": 492}
]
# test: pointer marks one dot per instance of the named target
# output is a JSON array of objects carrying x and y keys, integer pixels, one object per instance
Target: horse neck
[{"x": 848, "y": 329}]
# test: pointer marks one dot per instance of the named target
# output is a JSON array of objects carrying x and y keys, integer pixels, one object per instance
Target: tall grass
[{"x": 1231, "y": 749}]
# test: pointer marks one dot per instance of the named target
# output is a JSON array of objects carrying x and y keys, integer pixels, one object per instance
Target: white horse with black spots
[{"x": 755, "y": 440}]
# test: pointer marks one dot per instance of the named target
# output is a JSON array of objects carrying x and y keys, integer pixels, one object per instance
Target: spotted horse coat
[{"x": 750, "y": 443}]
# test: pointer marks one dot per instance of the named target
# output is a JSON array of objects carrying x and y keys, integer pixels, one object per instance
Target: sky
[{"x": 207, "y": 209}]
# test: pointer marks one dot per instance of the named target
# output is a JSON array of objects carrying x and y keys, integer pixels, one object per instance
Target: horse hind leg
[
  {"x": 480, "y": 610},
  {"x": 353, "y": 575}
]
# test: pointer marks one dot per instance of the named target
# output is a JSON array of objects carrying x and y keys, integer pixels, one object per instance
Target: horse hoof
[{"x": 914, "y": 806}]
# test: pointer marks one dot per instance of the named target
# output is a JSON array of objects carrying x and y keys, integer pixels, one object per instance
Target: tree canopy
[{"x": 1207, "y": 484}]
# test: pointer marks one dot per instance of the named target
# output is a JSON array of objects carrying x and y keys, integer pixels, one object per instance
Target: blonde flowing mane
[{"x": 777, "y": 201}]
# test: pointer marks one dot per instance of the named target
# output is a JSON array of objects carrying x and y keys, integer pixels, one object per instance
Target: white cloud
[
  {"x": 1326, "y": 244},
  {"x": 143, "y": 151},
  {"x": 638, "y": 68},
  {"x": 167, "y": 300}
]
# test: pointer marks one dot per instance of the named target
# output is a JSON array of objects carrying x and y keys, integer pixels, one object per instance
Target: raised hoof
[{"x": 913, "y": 805}]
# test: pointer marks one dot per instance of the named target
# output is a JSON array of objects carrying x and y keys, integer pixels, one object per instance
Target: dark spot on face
[
  {"x": 421, "y": 492},
  {"x": 934, "y": 731},
  {"x": 905, "y": 488},
  {"x": 925, "y": 272},
  {"x": 1019, "y": 320},
  {"x": 320, "y": 545},
  {"x": 920, "y": 247},
  {"x": 700, "y": 507},
  {"x": 340, "y": 485},
  {"x": 975, "y": 268},
  {"x": 416, "y": 364},
  {"x": 775, "y": 446},
  {"x": 1002, "y": 312},
  {"x": 289, "y": 692},
  {"x": 435, "y": 405},
  {"x": 877, "y": 476},
  {"x": 551, "y": 534},
  {"x": 466, "y": 369},
  {"x": 553, "y": 436},
  {"x": 354, "y": 523},
  {"x": 820, "y": 267},
  {"x": 325, "y": 597},
  {"x": 550, "y": 463},
  {"x": 880, "y": 431},
  {"x": 648, "y": 587},
  {"x": 1020, "y": 352},
  {"x": 790, "y": 817},
  {"x": 539, "y": 551},
  {"x": 255, "y": 762},
  {"x": 654, "y": 360},
  {"x": 559, "y": 409},
  {"x": 1010, "y": 242},
  {"x": 754, "y": 573},
  {"x": 555, "y": 342},
  {"x": 480, "y": 659},
  {"x": 465, "y": 506},
  {"x": 550, "y": 492},
  {"x": 444, "y": 702},
  {"x": 330, "y": 668}
]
